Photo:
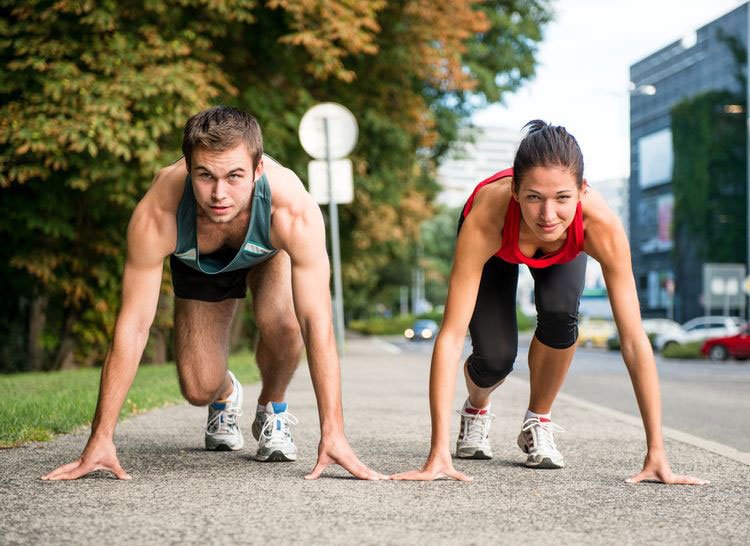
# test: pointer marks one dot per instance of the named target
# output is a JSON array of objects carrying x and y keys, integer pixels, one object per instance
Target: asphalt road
[{"x": 183, "y": 494}]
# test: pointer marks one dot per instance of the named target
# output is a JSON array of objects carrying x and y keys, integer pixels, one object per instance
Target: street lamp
[{"x": 643, "y": 89}]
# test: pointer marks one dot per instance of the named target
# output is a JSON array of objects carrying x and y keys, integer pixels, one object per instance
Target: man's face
[{"x": 223, "y": 181}]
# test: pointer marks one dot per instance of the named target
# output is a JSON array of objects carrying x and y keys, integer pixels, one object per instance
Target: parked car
[
  {"x": 594, "y": 332},
  {"x": 421, "y": 329},
  {"x": 699, "y": 329},
  {"x": 652, "y": 327},
  {"x": 736, "y": 346}
]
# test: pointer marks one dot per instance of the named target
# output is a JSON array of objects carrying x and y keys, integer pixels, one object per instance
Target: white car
[{"x": 699, "y": 329}]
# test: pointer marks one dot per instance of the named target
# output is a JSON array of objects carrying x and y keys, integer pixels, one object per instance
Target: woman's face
[{"x": 548, "y": 197}]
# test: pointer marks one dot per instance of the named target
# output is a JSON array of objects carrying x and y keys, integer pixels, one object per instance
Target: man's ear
[{"x": 259, "y": 169}]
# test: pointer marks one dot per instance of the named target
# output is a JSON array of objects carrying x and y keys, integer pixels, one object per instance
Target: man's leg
[
  {"x": 278, "y": 354},
  {"x": 201, "y": 348},
  {"x": 280, "y": 343}
]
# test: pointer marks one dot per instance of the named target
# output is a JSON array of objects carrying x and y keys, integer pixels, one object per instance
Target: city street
[
  {"x": 706, "y": 399},
  {"x": 183, "y": 494}
]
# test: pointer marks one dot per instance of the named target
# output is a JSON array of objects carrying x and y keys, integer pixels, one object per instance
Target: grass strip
[{"x": 35, "y": 406}]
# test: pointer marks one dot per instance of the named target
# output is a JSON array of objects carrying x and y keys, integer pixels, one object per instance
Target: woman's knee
[
  {"x": 488, "y": 371},
  {"x": 557, "y": 329}
]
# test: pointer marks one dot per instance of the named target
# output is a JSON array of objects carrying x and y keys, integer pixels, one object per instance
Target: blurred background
[{"x": 94, "y": 95}]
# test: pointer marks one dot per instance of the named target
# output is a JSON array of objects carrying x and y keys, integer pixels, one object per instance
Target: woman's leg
[
  {"x": 557, "y": 291},
  {"x": 494, "y": 331}
]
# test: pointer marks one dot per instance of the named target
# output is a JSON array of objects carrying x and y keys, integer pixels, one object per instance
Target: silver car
[{"x": 699, "y": 329}]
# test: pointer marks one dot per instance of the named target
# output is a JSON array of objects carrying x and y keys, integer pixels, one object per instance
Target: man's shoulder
[{"x": 287, "y": 190}]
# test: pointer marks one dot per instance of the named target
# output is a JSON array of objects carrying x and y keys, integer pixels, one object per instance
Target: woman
[{"x": 541, "y": 213}]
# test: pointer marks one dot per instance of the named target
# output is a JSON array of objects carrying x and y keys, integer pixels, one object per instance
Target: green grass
[{"x": 36, "y": 406}]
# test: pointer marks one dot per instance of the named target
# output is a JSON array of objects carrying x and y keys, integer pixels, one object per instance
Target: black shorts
[{"x": 191, "y": 284}]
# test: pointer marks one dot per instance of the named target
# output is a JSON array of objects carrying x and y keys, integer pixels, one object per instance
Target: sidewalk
[{"x": 183, "y": 494}]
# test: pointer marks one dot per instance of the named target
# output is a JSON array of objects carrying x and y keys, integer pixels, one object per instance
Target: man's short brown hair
[{"x": 220, "y": 128}]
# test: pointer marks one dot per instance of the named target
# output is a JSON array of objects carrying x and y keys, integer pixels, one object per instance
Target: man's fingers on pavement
[
  {"x": 460, "y": 476},
  {"x": 61, "y": 469},
  {"x": 409, "y": 475},
  {"x": 120, "y": 473}
]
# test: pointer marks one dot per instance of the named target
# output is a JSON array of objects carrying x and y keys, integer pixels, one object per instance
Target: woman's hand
[
  {"x": 437, "y": 466},
  {"x": 656, "y": 468}
]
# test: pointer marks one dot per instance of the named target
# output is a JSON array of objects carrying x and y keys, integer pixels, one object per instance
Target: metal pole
[
  {"x": 747, "y": 135},
  {"x": 338, "y": 299}
]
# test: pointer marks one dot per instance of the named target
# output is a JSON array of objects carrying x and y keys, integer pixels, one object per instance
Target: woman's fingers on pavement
[
  {"x": 688, "y": 480},
  {"x": 640, "y": 477},
  {"x": 317, "y": 471},
  {"x": 676, "y": 479}
]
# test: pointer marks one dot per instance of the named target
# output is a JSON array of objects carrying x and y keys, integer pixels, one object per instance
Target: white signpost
[{"x": 328, "y": 132}]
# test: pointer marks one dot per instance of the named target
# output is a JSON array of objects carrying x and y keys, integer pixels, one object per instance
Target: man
[{"x": 230, "y": 218}]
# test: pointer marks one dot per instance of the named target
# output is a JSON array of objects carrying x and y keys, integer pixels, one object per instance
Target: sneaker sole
[
  {"x": 277, "y": 457},
  {"x": 225, "y": 447},
  {"x": 478, "y": 454},
  {"x": 545, "y": 464}
]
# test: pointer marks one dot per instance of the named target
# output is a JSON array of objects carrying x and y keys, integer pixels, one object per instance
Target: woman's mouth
[{"x": 547, "y": 228}]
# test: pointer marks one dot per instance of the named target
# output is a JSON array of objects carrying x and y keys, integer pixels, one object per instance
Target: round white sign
[{"x": 342, "y": 131}]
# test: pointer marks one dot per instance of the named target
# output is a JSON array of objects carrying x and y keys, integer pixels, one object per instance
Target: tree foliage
[{"x": 93, "y": 96}]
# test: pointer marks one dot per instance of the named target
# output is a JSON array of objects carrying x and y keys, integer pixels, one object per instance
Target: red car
[{"x": 736, "y": 346}]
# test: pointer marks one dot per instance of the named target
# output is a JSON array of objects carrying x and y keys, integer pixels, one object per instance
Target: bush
[
  {"x": 686, "y": 350},
  {"x": 380, "y": 326}
]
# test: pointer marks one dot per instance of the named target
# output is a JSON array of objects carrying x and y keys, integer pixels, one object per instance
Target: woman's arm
[
  {"x": 478, "y": 240},
  {"x": 607, "y": 243}
]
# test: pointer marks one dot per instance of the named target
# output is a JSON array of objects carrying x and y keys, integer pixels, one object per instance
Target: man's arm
[
  {"x": 300, "y": 231},
  {"x": 148, "y": 240}
]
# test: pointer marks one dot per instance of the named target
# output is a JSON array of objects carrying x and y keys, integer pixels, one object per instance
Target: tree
[{"x": 93, "y": 96}]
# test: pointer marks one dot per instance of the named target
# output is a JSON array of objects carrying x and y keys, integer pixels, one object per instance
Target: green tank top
[{"x": 256, "y": 247}]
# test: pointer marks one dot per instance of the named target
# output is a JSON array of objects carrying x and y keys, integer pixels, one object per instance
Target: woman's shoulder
[
  {"x": 494, "y": 197},
  {"x": 596, "y": 210}
]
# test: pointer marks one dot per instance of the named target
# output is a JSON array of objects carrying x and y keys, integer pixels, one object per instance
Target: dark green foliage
[
  {"x": 93, "y": 96},
  {"x": 709, "y": 181}
]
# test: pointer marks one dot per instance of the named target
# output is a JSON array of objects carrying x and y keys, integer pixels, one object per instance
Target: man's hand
[
  {"x": 437, "y": 467},
  {"x": 656, "y": 468},
  {"x": 98, "y": 455},
  {"x": 336, "y": 450}
]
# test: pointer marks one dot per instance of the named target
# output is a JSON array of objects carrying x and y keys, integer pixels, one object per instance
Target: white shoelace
[
  {"x": 476, "y": 426},
  {"x": 286, "y": 419},
  {"x": 542, "y": 433},
  {"x": 223, "y": 419}
]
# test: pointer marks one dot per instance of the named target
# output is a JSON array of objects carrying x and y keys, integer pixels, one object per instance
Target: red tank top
[{"x": 509, "y": 250}]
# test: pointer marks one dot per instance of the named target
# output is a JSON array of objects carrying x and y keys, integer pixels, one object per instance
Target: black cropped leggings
[{"x": 494, "y": 328}]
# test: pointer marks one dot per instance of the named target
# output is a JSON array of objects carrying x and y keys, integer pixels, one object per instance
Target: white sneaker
[
  {"x": 272, "y": 430},
  {"x": 473, "y": 437},
  {"x": 222, "y": 429},
  {"x": 538, "y": 440}
]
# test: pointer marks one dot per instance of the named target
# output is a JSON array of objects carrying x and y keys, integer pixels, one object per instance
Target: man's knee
[
  {"x": 558, "y": 330},
  {"x": 283, "y": 335},
  {"x": 199, "y": 391},
  {"x": 488, "y": 371}
]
